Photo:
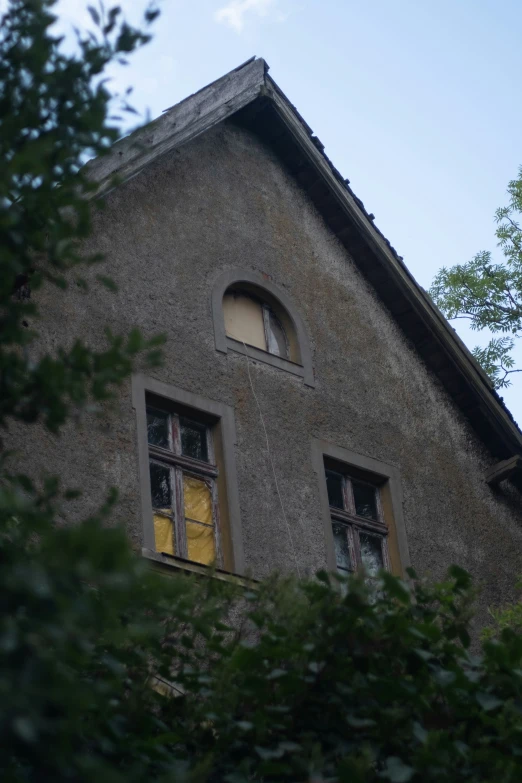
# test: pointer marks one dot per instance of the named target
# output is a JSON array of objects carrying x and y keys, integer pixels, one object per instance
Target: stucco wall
[{"x": 223, "y": 201}]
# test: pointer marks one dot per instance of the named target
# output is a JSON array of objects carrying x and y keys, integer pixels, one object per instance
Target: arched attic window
[
  {"x": 251, "y": 319},
  {"x": 253, "y": 316}
]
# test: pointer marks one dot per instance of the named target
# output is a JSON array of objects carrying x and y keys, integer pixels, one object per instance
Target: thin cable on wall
[{"x": 271, "y": 461}]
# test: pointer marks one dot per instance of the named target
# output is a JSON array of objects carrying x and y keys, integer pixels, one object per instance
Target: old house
[{"x": 314, "y": 408}]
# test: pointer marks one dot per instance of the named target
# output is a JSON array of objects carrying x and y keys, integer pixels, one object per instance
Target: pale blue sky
[{"x": 417, "y": 103}]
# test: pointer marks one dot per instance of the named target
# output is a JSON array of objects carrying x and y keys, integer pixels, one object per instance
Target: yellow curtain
[
  {"x": 244, "y": 320},
  {"x": 164, "y": 534},
  {"x": 200, "y": 543},
  {"x": 198, "y": 500},
  {"x": 198, "y": 506}
]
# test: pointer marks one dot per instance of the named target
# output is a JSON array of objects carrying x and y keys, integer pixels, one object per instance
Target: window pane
[
  {"x": 160, "y": 486},
  {"x": 193, "y": 440},
  {"x": 164, "y": 534},
  {"x": 198, "y": 500},
  {"x": 244, "y": 319},
  {"x": 334, "y": 485},
  {"x": 200, "y": 532},
  {"x": 200, "y": 543},
  {"x": 342, "y": 550},
  {"x": 365, "y": 500},
  {"x": 276, "y": 337},
  {"x": 371, "y": 553},
  {"x": 158, "y": 428}
]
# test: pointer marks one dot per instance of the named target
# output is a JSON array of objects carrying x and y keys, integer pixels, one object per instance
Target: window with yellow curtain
[
  {"x": 183, "y": 477},
  {"x": 251, "y": 321}
]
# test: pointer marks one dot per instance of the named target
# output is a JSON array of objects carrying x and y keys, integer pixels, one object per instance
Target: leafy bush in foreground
[{"x": 283, "y": 681}]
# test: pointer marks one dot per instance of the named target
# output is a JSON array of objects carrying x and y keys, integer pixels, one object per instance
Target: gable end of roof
[{"x": 252, "y": 98}]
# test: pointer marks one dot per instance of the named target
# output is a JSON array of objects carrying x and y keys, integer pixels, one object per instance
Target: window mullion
[
  {"x": 287, "y": 342},
  {"x": 349, "y": 503},
  {"x": 356, "y": 547},
  {"x": 354, "y": 559},
  {"x": 210, "y": 446},
  {"x": 170, "y": 435},
  {"x": 215, "y": 521},
  {"x": 179, "y": 514},
  {"x": 188, "y": 464},
  {"x": 378, "y": 501},
  {"x": 266, "y": 325},
  {"x": 175, "y": 431},
  {"x": 385, "y": 553}
]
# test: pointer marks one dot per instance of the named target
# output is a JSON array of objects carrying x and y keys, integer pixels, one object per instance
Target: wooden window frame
[
  {"x": 244, "y": 278},
  {"x": 221, "y": 419},
  {"x": 355, "y": 524},
  {"x": 180, "y": 465},
  {"x": 381, "y": 474},
  {"x": 267, "y": 313}
]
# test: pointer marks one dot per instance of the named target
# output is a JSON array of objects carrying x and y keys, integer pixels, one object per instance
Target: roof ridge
[{"x": 210, "y": 84}]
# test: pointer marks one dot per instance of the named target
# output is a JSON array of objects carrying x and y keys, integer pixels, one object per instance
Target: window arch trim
[{"x": 224, "y": 343}]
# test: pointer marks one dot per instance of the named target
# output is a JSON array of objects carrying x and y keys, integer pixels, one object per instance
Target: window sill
[
  {"x": 166, "y": 563},
  {"x": 266, "y": 358}
]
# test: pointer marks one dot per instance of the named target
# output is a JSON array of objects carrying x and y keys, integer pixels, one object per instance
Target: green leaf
[
  {"x": 488, "y": 701},
  {"x": 420, "y": 732},
  {"x": 24, "y": 728},
  {"x": 360, "y": 723},
  {"x": 25, "y": 482},
  {"x": 397, "y": 771},
  {"x": 72, "y": 494},
  {"x": 276, "y": 674},
  {"x": 108, "y": 282},
  {"x": 269, "y": 753},
  {"x": 94, "y": 15}
]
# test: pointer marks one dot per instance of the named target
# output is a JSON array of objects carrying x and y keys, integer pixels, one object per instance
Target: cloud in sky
[{"x": 233, "y": 14}]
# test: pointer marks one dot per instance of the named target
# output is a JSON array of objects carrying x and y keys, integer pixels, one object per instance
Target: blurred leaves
[
  {"x": 65, "y": 588},
  {"x": 292, "y": 681},
  {"x": 54, "y": 109}
]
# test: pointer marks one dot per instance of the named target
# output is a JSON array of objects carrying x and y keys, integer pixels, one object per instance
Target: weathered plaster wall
[{"x": 224, "y": 201}]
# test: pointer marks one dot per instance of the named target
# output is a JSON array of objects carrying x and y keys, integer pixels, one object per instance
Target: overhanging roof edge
[
  {"x": 457, "y": 351},
  {"x": 181, "y": 123}
]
